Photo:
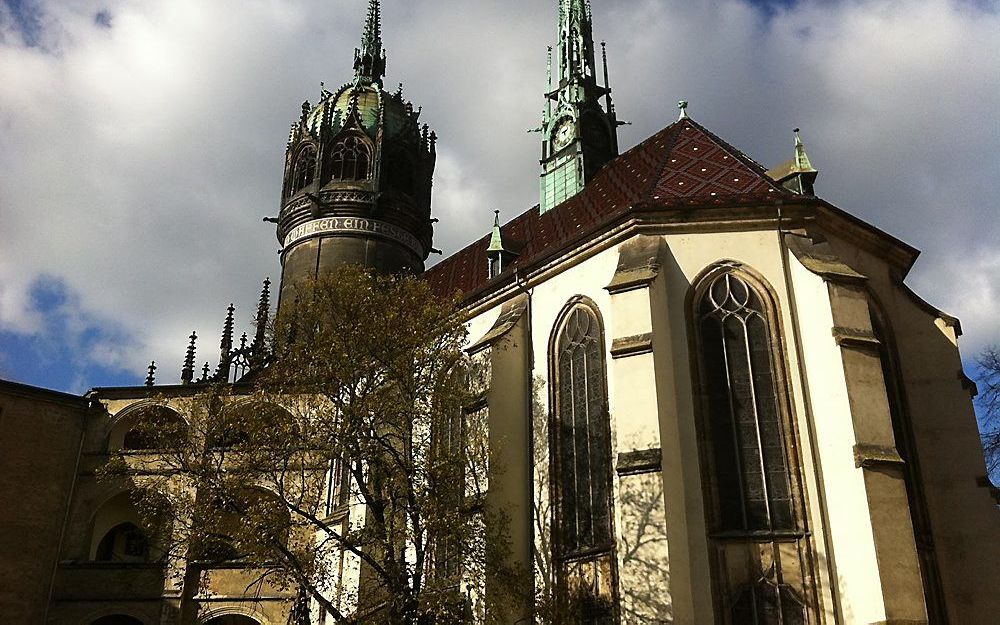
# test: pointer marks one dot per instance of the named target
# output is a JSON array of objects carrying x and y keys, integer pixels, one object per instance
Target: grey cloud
[{"x": 139, "y": 159}]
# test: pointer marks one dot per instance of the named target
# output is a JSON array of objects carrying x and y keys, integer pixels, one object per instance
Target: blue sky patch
[{"x": 67, "y": 353}]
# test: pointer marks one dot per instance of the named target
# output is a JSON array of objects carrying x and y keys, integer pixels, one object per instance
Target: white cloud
[{"x": 139, "y": 159}]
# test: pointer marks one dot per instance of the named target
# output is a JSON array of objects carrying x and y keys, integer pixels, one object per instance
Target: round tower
[{"x": 357, "y": 183}]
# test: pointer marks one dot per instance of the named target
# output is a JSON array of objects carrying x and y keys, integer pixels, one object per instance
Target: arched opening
[
  {"x": 583, "y": 541},
  {"x": 146, "y": 428},
  {"x": 117, "y": 619},
  {"x": 350, "y": 159},
  {"x": 124, "y": 542},
  {"x": 304, "y": 171},
  {"x": 757, "y": 534},
  {"x": 253, "y": 423},
  {"x": 117, "y": 533}
]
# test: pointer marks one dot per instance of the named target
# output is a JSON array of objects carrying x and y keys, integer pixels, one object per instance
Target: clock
[{"x": 563, "y": 134}]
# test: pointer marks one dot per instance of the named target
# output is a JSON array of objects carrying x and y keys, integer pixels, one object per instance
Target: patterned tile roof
[{"x": 683, "y": 165}]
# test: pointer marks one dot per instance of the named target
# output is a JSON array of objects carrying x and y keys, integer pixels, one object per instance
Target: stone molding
[
  {"x": 638, "y": 264},
  {"x": 640, "y": 461},
  {"x": 816, "y": 255},
  {"x": 867, "y": 456},
  {"x": 510, "y": 313},
  {"x": 632, "y": 345},
  {"x": 856, "y": 338}
]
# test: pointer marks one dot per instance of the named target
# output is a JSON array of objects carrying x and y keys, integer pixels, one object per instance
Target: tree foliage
[
  {"x": 355, "y": 459},
  {"x": 989, "y": 405}
]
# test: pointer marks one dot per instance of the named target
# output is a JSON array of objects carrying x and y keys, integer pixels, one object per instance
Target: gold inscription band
[{"x": 350, "y": 225}]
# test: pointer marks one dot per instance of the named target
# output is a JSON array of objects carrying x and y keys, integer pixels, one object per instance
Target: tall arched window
[
  {"x": 756, "y": 528},
  {"x": 350, "y": 159},
  {"x": 305, "y": 169},
  {"x": 581, "y": 468}
]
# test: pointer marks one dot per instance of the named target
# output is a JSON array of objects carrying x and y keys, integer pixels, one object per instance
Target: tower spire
[
  {"x": 576, "y": 41},
  {"x": 369, "y": 59},
  {"x": 578, "y": 135}
]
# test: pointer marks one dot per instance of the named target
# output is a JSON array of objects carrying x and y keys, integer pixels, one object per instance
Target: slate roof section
[{"x": 683, "y": 165}]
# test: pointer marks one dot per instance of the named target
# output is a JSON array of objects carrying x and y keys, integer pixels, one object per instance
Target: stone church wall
[{"x": 40, "y": 439}]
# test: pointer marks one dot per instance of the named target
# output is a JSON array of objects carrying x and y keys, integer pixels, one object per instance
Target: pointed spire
[
  {"x": 576, "y": 41},
  {"x": 496, "y": 239},
  {"x": 369, "y": 59},
  {"x": 683, "y": 106},
  {"x": 261, "y": 320},
  {"x": 801, "y": 158},
  {"x": 151, "y": 374},
  {"x": 204, "y": 372},
  {"x": 187, "y": 372},
  {"x": 226, "y": 345},
  {"x": 607, "y": 82}
]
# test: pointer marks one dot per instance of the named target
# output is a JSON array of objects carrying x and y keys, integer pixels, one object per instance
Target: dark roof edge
[
  {"x": 36, "y": 392},
  {"x": 171, "y": 390}
]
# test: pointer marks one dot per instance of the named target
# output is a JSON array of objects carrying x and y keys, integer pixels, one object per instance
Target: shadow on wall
[{"x": 642, "y": 555}]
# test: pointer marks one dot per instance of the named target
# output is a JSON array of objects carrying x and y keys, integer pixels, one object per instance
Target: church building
[{"x": 719, "y": 401}]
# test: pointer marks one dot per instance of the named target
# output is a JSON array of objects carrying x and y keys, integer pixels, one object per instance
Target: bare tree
[
  {"x": 352, "y": 468},
  {"x": 989, "y": 406}
]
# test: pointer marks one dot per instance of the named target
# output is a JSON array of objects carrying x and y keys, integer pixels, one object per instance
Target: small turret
[
  {"x": 797, "y": 175},
  {"x": 500, "y": 253}
]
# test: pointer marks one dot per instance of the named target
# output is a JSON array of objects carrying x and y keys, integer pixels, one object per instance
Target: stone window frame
[
  {"x": 781, "y": 368},
  {"x": 562, "y": 561},
  {"x": 302, "y": 176}
]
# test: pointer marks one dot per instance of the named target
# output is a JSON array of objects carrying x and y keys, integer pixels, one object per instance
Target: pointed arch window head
[
  {"x": 351, "y": 159},
  {"x": 583, "y": 437},
  {"x": 745, "y": 431},
  {"x": 305, "y": 169}
]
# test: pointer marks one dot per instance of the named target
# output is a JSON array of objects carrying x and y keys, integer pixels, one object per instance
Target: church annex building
[{"x": 719, "y": 401}]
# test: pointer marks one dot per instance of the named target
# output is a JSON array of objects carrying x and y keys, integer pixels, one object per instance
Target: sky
[{"x": 142, "y": 141}]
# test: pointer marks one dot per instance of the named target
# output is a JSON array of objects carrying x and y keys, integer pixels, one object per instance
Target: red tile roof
[{"x": 682, "y": 165}]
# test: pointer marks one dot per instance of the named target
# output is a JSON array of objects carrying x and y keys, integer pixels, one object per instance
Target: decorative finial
[
  {"x": 369, "y": 59},
  {"x": 187, "y": 372},
  {"x": 683, "y": 106},
  {"x": 263, "y": 315},
  {"x": 151, "y": 375},
  {"x": 227, "y": 329},
  {"x": 204, "y": 372}
]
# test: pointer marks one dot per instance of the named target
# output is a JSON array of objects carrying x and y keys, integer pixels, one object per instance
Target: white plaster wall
[{"x": 652, "y": 404}]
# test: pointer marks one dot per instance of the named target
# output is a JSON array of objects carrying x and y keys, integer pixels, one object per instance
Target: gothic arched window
[
  {"x": 755, "y": 529},
  {"x": 581, "y": 467},
  {"x": 351, "y": 159},
  {"x": 305, "y": 169}
]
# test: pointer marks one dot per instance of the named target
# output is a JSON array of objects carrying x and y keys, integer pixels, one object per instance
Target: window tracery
[
  {"x": 761, "y": 560},
  {"x": 351, "y": 159},
  {"x": 305, "y": 169}
]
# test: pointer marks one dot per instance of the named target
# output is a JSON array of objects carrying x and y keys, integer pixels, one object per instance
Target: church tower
[
  {"x": 357, "y": 180},
  {"x": 578, "y": 135}
]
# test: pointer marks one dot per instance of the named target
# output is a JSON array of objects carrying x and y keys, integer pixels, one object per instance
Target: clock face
[{"x": 563, "y": 134}]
